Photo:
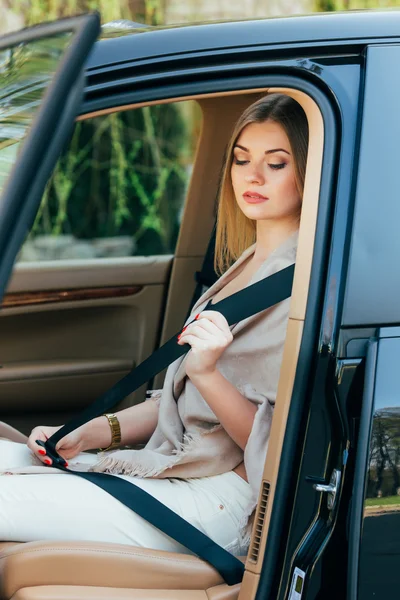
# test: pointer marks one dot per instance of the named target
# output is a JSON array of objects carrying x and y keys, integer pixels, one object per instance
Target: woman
[{"x": 207, "y": 430}]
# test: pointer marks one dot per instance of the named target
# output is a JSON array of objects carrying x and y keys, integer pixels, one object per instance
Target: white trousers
[{"x": 66, "y": 507}]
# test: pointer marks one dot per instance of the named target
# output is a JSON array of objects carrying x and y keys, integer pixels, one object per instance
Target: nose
[{"x": 255, "y": 175}]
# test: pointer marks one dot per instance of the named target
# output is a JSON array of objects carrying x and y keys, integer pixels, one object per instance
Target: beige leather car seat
[{"x": 67, "y": 570}]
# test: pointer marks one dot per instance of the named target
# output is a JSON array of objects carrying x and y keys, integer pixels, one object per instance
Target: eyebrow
[{"x": 266, "y": 152}]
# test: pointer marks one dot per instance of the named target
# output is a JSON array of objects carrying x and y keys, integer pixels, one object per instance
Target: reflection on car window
[
  {"x": 119, "y": 188},
  {"x": 26, "y": 71},
  {"x": 379, "y": 543}
]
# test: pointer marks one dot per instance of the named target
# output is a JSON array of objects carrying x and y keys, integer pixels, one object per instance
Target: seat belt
[
  {"x": 239, "y": 306},
  {"x": 207, "y": 276}
]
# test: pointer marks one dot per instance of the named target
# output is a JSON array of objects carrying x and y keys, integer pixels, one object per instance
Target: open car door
[{"x": 41, "y": 72}]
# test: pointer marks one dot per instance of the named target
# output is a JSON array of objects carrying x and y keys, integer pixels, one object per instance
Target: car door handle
[
  {"x": 320, "y": 487},
  {"x": 331, "y": 489}
]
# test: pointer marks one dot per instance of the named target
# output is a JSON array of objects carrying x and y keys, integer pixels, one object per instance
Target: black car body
[{"x": 343, "y": 420}]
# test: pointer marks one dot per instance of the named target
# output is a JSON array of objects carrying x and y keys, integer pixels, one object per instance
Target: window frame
[{"x": 266, "y": 571}]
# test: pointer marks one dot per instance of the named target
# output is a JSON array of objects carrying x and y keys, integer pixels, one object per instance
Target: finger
[
  {"x": 37, "y": 434},
  {"x": 65, "y": 453},
  {"x": 41, "y": 454},
  {"x": 57, "y": 458},
  {"x": 194, "y": 342},
  {"x": 38, "y": 450},
  {"x": 61, "y": 443},
  {"x": 206, "y": 325},
  {"x": 204, "y": 331},
  {"x": 218, "y": 324},
  {"x": 215, "y": 317}
]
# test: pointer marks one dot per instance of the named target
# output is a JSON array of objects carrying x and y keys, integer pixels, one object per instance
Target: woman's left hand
[{"x": 209, "y": 335}]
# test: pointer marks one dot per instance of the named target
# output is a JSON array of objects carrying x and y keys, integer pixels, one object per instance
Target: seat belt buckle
[{"x": 51, "y": 453}]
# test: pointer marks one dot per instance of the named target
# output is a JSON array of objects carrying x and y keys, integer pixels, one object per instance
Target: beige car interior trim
[
  {"x": 249, "y": 586},
  {"x": 51, "y": 275},
  {"x": 296, "y": 320},
  {"x": 119, "y": 331},
  {"x": 57, "y": 368},
  {"x": 37, "y": 564},
  {"x": 57, "y": 296},
  {"x": 74, "y": 592}
]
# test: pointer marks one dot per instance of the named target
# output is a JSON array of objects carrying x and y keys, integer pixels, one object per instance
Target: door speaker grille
[{"x": 259, "y": 524}]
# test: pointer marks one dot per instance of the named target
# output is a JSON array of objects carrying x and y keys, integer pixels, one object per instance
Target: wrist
[
  {"x": 115, "y": 429},
  {"x": 96, "y": 434},
  {"x": 204, "y": 376}
]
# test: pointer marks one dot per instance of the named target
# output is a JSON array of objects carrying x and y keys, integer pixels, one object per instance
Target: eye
[
  {"x": 240, "y": 162},
  {"x": 277, "y": 166}
]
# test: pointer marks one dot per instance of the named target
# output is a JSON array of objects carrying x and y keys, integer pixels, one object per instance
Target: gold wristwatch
[{"x": 115, "y": 432}]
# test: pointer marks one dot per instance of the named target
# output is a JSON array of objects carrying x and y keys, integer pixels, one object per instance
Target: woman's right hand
[{"x": 68, "y": 447}]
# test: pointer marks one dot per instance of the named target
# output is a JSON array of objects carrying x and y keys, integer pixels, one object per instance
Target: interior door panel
[{"x": 63, "y": 343}]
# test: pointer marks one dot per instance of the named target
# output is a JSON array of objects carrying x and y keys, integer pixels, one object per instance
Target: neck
[{"x": 270, "y": 235}]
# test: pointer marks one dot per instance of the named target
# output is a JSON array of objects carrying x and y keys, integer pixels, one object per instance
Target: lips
[{"x": 254, "y": 197}]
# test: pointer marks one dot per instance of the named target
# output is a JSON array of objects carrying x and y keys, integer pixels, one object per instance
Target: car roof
[{"x": 129, "y": 43}]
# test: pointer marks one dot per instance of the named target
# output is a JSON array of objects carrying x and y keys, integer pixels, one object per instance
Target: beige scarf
[{"x": 189, "y": 441}]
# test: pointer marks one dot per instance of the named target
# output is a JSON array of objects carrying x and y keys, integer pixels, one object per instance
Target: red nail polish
[
  {"x": 43, "y": 452},
  {"x": 65, "y": 464},
  {"x": 179, "y": 336},
  {"x": 184, "y": 329},
  {"x": 47, "y": 461},
  {"x": 196, "y": 317}
]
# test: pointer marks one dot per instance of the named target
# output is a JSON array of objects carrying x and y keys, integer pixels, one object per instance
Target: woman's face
[{"x": 263, "y": 175}]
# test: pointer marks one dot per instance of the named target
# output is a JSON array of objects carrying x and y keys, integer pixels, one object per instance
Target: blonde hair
[{"x": 235, "y": 232}]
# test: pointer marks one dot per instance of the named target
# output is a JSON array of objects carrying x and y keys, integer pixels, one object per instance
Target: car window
[
  {"x": 119, "y": 187},
  {"x": 379, "y": 542},
  {"x": 26, "y": 71}
]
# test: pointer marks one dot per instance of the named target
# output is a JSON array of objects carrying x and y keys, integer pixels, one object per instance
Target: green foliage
[
  {"x": 38, "y": 11},
  {"x": 334, "y": 5},
  {"x": 123, "y": 174},
  {"x": 388, "y": 501},
  {"x": 325, "y": 5}
]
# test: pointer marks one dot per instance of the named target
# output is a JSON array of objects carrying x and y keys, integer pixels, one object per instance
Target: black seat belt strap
[
  {"x": 237, "y": 307},
  {"x": 207, "y": 276}
]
